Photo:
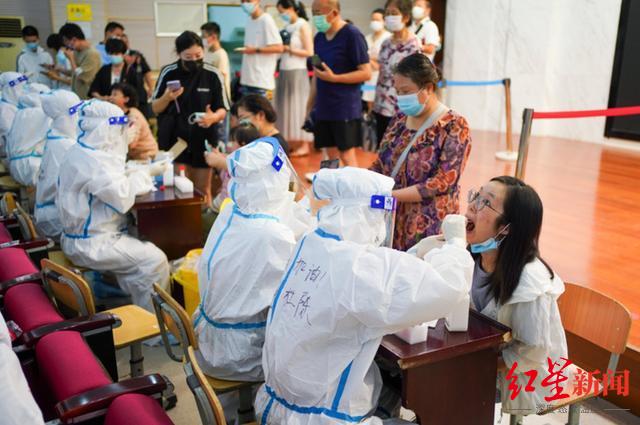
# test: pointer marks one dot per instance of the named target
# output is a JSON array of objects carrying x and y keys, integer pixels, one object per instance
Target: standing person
[
  {"x": 54, "y": 42},
  {"x": 335, "y": 88},
  {"x": 424, "y": 150},
  {"x": 215, "y": 54},
  {"x": 402, "y": 44},
  {"x": 111, "y": 30},
  {"x": 425, "y": 29},
  {"x": 139, "y": 76},
  {"x": 374, "y": 42},
  {"x": 262, "y": 44},
  {"x": 201, "y": 91},
  {"x": 84, "y": 59},
  {"x": 33, "y": 57},
  {"x": 292, "y": 90}
]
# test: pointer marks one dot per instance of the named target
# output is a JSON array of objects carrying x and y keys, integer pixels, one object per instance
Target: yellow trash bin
[{"x": 187, "y": 277}]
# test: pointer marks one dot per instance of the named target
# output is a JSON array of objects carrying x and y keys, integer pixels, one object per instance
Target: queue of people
[{"x": 297, "y": 287}]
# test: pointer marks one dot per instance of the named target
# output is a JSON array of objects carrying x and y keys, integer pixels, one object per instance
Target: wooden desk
[
  {"x": 451, "y": 378},
  {"x": 170, "y": 219}
]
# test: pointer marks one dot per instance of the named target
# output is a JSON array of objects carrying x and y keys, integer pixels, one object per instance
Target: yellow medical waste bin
[{"x": 187, "y": 277}]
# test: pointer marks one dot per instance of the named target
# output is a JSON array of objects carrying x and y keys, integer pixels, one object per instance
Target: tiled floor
[{"x": 186, "y": 412}]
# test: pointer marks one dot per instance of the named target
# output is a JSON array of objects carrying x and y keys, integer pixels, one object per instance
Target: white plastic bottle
[{"x": 182, "y": 183}]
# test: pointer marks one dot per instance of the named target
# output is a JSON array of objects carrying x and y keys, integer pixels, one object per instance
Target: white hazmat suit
[
  {"x": 16, "y": 401},
  {"x": 25, "y": 141},
  {"x": 94, "y": 195},
  {"x": 339, "y": 296},
  {"x": 243, "y": 262},
  {"x": 12, "y": 88},
  {"x": 62, "y": 107}
]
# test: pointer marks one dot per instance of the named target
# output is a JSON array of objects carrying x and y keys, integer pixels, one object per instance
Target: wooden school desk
[
  {"x": 170, "y": 219},
  {"x": 451, "y": 378}
]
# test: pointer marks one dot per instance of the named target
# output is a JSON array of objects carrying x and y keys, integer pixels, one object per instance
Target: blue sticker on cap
[
  {"x": 118, "y": 120},
  {"x": 20, "y": 79},
  {"x": 382, "y": 202},
  {"x": 75, "y": 108},
  {"x": 278, "y": 160}
]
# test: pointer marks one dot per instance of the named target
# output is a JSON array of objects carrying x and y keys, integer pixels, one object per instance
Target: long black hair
[
  {"x": 522, "y": 211},
  {"x": 297, "y": 6}
]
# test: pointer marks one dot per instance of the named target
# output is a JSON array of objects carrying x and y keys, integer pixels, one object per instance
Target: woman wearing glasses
[
  {"x": 424, "y": 149},
  {"x": 513, "y": 284}
]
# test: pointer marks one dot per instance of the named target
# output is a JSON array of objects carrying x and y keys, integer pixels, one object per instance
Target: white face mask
[
  {"x": 205, "y": 44},
  {"x": 376, "y": 26},
  {"x": 394, "y": 23},
  {"x": 417, "y": 12}
]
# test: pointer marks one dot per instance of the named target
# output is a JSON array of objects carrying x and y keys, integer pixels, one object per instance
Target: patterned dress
[{"x": 434, "y": 164}]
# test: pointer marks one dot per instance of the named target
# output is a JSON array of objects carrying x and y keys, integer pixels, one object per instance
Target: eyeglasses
[{"x": 479, "y": 202}]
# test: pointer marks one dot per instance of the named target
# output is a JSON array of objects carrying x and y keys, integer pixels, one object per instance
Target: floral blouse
[
  {"x": 434, "y": 164},
  {"x": 390, "y": 54}
]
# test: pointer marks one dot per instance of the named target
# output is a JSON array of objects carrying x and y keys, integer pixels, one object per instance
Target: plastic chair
[
  {"x": 602, "y": 321},
  {"x": 7, "y": 203},
  {"x": 73, "y": 294},
  {"x": 173, "y": 319}
]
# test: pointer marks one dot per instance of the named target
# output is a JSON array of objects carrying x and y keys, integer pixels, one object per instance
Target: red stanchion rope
[{"x": 611, "y": 112}]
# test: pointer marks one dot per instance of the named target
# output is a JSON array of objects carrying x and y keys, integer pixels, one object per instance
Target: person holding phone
[
  {"x": 341, "y": 66},
  {"x": 189, "y": 99}
]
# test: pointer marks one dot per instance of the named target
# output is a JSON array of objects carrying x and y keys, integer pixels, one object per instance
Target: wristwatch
[{"x": 257, "y": 50}]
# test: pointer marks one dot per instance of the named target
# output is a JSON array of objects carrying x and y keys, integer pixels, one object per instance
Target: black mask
[{"x": 193, "y": 66}]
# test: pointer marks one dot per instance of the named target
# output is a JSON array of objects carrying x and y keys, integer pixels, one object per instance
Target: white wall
[
  {"x": 137, "y": 16},
  {"x": 558, "y": 54}
]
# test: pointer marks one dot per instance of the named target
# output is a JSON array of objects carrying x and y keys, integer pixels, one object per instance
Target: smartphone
[
  {"x": 207, "y": 146},
  {"x": 174, "y": 85},
  {"x": 316, "y": 62},
  {"x": 330, "y": 163}
]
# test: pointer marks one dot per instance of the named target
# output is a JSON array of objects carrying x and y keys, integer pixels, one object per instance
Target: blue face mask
[
  {"x": 488, "y": 245},
  {"x": 285, "y": 17},
  {"x": 410, "y": 105},
  {"x": 32, "y": 45},
  {"x": 248, "y": 8},
  {"x": 116, "y": 59},
  {"x": 61, "y": 57}
]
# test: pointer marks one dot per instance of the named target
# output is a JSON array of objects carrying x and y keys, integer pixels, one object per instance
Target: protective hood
[
  {"x": 259, "y": 177},
  {"x": 349, "y": 215},
  {"x": 101, "y": 126},
  {"x": 62, "y": 107},
  {"x": 30, "y": 97},
  {"x": 13, "y": 85}
]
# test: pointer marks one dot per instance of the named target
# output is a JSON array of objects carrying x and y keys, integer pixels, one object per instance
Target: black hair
[
  {"x": 71, "y": 30},
  {"x": 244, "y": 133},
  {"x": 419, "y": 69},
  {"x": 404, "y": 6},
  {"x": 114, "y": 46},
  {"x": 255, "y": 103},
  {"x": 129, "y": 91},
  {"x": 186, "y": 40},
  {"x": 54, "y": 41},
  {"x": 29, "y": 31},
  {"x": 522, "y": 211},
  {"x": 112, "y": 26},
  {"x": 297, "y": 6},
  {"x": 211, "y": 28},
  {"x": 378, "y": 10},
  {"x": 234, "y": 110}
]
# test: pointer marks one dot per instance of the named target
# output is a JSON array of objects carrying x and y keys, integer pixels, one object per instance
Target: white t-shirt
[
  {"x": 258, "y": 68},
  {"x": 369, "y": 88},
  {"x": 220, "y": 60},
  {"x": 428, "y": 33},
  {"x": 28, "y": 63},
  {"x": 288, "y": 61}
]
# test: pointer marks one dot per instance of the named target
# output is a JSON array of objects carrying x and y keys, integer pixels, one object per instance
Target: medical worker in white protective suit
[
  {"x": 243, "y": 261},
  {"x": 341, "y": 293},
  {"x": 62, "y": 107},
  {"x": 13, "y": 84},
  {"x": 94, "y": 195},
  {"x": 25, "y": 141},
  {"x": 16, "y": 401}
]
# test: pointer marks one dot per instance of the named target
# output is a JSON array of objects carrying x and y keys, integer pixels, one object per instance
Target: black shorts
[{"x": 343, "y": 135}]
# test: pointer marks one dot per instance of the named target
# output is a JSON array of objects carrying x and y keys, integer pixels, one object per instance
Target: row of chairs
[{"x": 70, "y": 363}]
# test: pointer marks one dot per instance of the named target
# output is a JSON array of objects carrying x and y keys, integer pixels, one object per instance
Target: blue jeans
[{"x": 246, "y": 90}]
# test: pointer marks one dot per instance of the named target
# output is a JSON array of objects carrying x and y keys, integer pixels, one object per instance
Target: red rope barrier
[{"x": 611, "y": 112}]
